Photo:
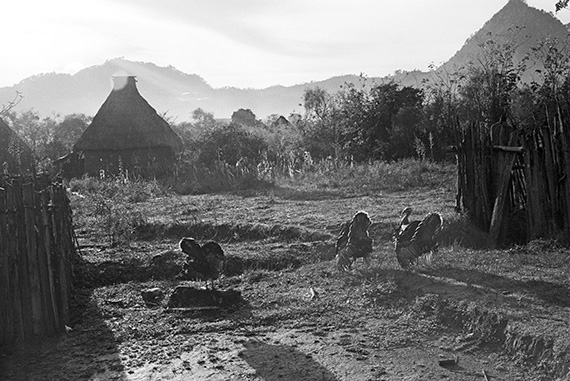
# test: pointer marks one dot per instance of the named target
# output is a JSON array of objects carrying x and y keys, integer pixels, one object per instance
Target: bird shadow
[{"x": 283, "y": 362}]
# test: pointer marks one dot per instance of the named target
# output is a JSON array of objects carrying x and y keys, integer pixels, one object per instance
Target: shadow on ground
[
  {"x": 89, "y": 351},
  {"x": 549, "y": 292},
  {"x": 282, "y": 362}
]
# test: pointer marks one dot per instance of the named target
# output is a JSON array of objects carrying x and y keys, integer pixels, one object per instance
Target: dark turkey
[
  {"x": 354, "y": 242},
  {"x": 415, "y": 238},
  {"x": 203, "y": 262}
]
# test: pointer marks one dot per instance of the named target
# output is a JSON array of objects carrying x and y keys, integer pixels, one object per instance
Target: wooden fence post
[{"x": 507, "y": 156}]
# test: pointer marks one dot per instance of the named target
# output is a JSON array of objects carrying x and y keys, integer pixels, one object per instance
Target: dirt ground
[{"x": 502, "y": 315}]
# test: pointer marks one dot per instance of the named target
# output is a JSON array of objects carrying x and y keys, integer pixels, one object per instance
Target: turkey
[
  {"x": 405, "y": 221},
  {"x": 203, "y": 262},
  {"x": 353, "y": 242},
  {"x": 416, "y": 238}
]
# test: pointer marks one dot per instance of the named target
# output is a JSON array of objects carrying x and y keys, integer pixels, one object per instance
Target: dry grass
[{"x": 284, "y": 239}]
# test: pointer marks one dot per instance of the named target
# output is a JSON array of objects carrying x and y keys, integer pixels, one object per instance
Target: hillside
[
  {"x": 177, "y": 94},
  {"x": 165, "y": 88},
  {"x": 525, "y": 25}
]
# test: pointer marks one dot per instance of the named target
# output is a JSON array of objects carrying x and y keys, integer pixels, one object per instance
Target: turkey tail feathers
[{"x": 412, "y": 244}]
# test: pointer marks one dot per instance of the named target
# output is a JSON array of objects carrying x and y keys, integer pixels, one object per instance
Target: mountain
[
  {"x": 177, "y": 94},
  {"x": 517, "y": 21},
  {"x": 165, "y": 88}
]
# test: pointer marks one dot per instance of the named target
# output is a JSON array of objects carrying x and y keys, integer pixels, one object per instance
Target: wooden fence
[
  {"x": 36, "y": 253},
  {"x": 508, "y": 178}
]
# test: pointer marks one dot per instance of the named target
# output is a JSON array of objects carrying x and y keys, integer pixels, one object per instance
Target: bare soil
[{"x": 499, "y": 314}]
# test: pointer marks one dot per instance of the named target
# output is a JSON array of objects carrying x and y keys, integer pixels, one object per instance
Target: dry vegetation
[{"x": 503, "y": 312}]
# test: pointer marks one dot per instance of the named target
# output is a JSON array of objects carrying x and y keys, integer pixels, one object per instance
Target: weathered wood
[
  {"x": 48, "y": 250},
  {"x": 508, "y": 149},
  {"x": 507, "y": 159},
  {"x": 550, "y": 168},
  {"x": 566, "y": 169},
  {"x": 36, "y": 252},
  {"x": 32, "y": 259},
  {"x": 47, "y": 297},
  {"x": 12, "y": 249},
  {"x": 6, "y": 327}
]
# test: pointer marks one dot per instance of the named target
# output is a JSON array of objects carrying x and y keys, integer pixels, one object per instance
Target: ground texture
[{"x": 499, "y": 315}]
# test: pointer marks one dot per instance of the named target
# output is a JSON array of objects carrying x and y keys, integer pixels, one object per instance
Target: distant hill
[
  {"x": 165, "y": 88},
  {"x": 178, "y": 94},
  {"x": 517, "y": 20}
]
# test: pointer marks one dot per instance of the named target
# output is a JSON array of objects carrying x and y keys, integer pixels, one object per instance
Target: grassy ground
[{"x": 502, "y": 312}]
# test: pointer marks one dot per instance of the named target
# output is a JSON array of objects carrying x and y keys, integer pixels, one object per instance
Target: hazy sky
[{"x": 242, "y": 43}]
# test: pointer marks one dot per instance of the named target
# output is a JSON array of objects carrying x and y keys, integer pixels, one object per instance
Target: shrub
[
  {"x": 394, "y": 176},
  {"x": 107, "y": 204}
]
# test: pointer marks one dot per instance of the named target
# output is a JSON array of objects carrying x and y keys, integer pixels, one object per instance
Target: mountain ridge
[{"x": 177, "y": 94}]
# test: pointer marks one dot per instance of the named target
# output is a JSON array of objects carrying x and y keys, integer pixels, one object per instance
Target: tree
[
  {"x": 70, "y": 129},
  {"x": 317, "y": 102},
  {"x": 245, "y": 117},
  {"x": 203, "y": 119},
  {"x": 229, "y": 144},
  {"x": 36, "y": 132},
  {"x": 375, "y": 121},
  {"x": 321, "y": 134},
  {"x": 561, "y": 4},
  {"x": 5, "y": 108}
]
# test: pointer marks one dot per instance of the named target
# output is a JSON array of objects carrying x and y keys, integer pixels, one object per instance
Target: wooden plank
[
  {"x": 566, "y": 170},
  {"x": 509, "y": 149},
  {"x": 23, "y": 268},
  {"x": 58, "y": 260},
  {"x": 550, "y": 181},
  {"x": 44, "y": 271},
  {"x": 6, "y": 328},
  {"x": 507, "y": 160},
  {"x": 32, "y": 259},
  {"x": 46, "y": 231},
  {"x": 65, "y": 252},
  {"x": 15, "y": 294}
]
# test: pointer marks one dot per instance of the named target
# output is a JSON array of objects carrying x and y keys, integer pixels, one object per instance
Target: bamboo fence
[{"x": 36, "y": 253}]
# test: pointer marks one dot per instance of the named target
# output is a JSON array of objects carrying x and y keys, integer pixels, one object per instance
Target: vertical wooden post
[
  {"x": 48, "y": 248},
  {"x": 14, "y": 260},
  {"x": 506, "y": 161},
  {"x": 6, "y": 325},
  {"x": 50, "y": 313},
  {"x": 29, "y": 234}
]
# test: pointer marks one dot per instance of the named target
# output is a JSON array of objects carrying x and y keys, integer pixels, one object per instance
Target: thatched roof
[
  {"x": 13, "y": 150},
  {"x": 126, "y": 121}
]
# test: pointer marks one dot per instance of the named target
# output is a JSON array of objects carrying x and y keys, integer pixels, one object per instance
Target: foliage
[
  {"x": 109, "y": 204},
  {"x": 244, "y": 117},
  {"x": 374, "y": 176},
  {"x": 49, "y": 137}
]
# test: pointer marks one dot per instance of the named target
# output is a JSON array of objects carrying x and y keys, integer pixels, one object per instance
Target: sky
[{"x": 242, "y": 43}]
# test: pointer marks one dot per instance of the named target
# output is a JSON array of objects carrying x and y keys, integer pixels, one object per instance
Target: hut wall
[{"x": 153, "y": 161}]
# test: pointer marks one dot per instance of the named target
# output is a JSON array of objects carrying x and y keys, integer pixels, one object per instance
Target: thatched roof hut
[
  {"x": 15, "y": 155},
  {"x": 127, "y": 134}
]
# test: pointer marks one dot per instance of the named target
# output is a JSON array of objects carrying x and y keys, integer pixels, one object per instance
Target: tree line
[{"x": 362, "y": 122}]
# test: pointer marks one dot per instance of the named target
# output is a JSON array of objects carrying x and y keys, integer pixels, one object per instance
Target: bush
[
  {"x": 107, "y": 204},
  {"x": 393, "y": 176}
]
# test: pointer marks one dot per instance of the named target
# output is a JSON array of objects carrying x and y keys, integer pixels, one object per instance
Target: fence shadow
[
  {"x": 282, "y": 362},
  {"x": 549, "y": 292},
  {"x": 87, "y": 352}
]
